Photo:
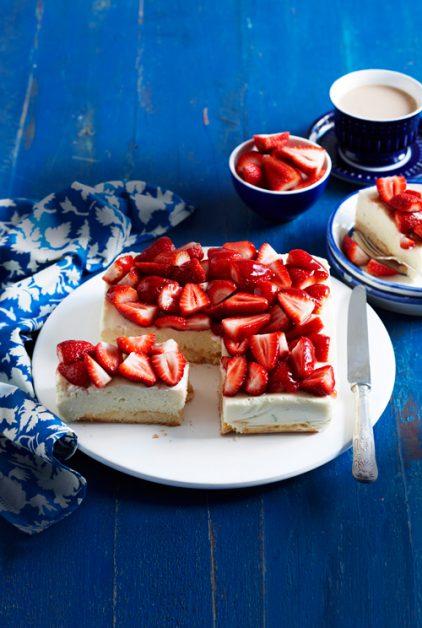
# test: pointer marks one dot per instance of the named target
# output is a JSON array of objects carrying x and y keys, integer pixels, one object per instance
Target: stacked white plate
[{"x": 396, "y": 293}]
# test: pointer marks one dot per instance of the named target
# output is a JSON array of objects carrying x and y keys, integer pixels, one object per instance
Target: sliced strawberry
[
  {"x": 169, "y": 367},
  {"x": 175, "y": 322},
  {"x": 406, "y": 243},
  {"x": 253, "y": 174},
  {"x": 303, "y": 259},
  {"x": 76, "y": 373},
  {"x": 121, "y": 294},
  {"x": 268, "y": 290},
  {"x": 266, "y": 254},
  {"x": 406, "y": 201},
  {"x": 353, "y": 252},
  {"x": 320, "y": 382},
  {"x": 256, "y": 379},
  {"x": 198, "y": 322},
  {"x": 194, "y": 249},
  {"x": 164, "y": 347},
  {"x": 118, "y": 269},
  {"x": 150, "y": 287},
  {"x": 267, "y": 143},
  {"x": 142, "y": 314},
  {"x": 225, "y": 252},
  {"x": 192, "y": 299},
  {"x": 279, "y": 175},
  {"x": 312, "y": 326},
  {"x": 168, "y": 299},
  {"x": 154, "y": 268},
  {"x": 70, "y": 351},
  {"x": 108, "y": 356},
  {"x": 241, "y": 327},
  {"x": 418, "y": 229},
  {"x": 205, "y": 264},
  {"x": 407, "y": 222},
  {"x": 162, "y": 245},
  {"x": 309, "y": 159},
  {"x": 283, "y": 347},
  {"x": 236, "y": 348},
  {"x": 247, "y": 274},
  {"x": 246, "y": 160},
  {"x": 279, "y": 321},
  {"x": 377, "y": 269},
  {"x": 244, "y": 247},
  {"x": 220, "y": 289},
  {"x": 241, "y": 303},
  {"x": 307, "y": 181},
  {"x": 190, "y": 272},
  {"x": 173, "y": 258},
  {"x": 265, "y": 348},
  {"x": 282, "y": 277},
  {"x": 390, "y": 186},
  {"x": 321, "y": 344},
  {"x": 297, "y": 304},
  {"x": 302, "y": 358},
  {"x": 319, "y": 293},
  {"x": 301, "y": 277},
  {"x": 137, "y": 344},
  {"x": 98, "y": 376},
  {"x": 137, "y": 368},
  {"x": 220, "y": 268},
  {"x": 281, "y": 379},
  {"x": 131, "y": 278},
  {"x": 236, "y": 369}
]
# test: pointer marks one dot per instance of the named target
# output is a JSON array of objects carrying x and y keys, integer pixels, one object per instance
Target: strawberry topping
[
  {"x": 265, "y": 349},
  {"x": 118, "y": 269},
  {"x": 138, "y": 344},
  {"x": 150, "y": 287},
  {"x": 236, "y": 347},
  {"x": 98, "y": 376},
  {"x": 162, "y": 245},
  {"x": 244, "y": 247},
  {"x": 236, "y": 369},
  {"x": 267, "y": 143},
  {"x": 379, "y": 270},
  {"x": 297, "y": 304},
  {"x": 137, "y": 368},
  {"x": 390, "y": 186},
  {"x": 320, "y": 382},
  {"x": 279, "y": 174},
  {"x": 281, "y": 379},
  {"x": 241, "y": 327},
  {"x": 70, "y": 351},
  {"x": 309, "y": 159},
  {"x": 121, "y": 294},
  {"x": 169, "y": 367},
  {"x": 407, "y": 201},
  {"x": 256, "y": 379},
  {"x": 108, "y": 356},
  {"x": 168, "y": 299},
  {"x": 76, "y": 373},
  {"x": 353, "y": 252},
  {"x": 140, "y": 313},
  {"x": 302, "y": 358},
  {"x": 192, "y": 299}
]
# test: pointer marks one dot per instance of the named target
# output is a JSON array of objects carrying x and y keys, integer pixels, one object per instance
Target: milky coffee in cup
[
  {"x": 376, "y": 117},
  {"x": 377, "y": 102}
]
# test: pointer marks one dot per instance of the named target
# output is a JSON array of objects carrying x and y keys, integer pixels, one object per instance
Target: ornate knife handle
[{"x": 364, "y": 467}]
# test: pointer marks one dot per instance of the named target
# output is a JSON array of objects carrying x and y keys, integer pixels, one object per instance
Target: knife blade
[{"x": 364, "y": 467}]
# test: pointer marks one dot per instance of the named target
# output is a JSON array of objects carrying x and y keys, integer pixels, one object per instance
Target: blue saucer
[{"x": 322, "y": 132}]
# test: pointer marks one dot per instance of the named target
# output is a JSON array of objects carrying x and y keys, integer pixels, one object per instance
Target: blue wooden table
[{"x": 163, "y": 91}]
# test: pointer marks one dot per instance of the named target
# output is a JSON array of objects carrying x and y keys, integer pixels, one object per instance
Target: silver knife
[{"x": 359, "y": 376}]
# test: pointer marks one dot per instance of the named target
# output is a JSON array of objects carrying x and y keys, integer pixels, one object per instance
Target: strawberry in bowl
[{"x": 279, "y": 176}]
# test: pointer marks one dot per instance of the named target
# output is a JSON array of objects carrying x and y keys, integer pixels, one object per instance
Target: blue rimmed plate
[
  {"x": 321, "y": 131},
  {"x": 393, "y": 302},
  {"x": 342, "y": 221}
]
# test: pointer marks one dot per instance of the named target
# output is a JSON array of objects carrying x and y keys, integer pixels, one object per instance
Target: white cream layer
[{"x": 120, "y": 397}]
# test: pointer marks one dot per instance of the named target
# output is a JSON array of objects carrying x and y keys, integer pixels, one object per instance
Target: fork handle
[{"x": 364, "y": 467}]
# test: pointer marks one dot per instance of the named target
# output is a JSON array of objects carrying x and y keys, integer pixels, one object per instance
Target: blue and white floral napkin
[{"x": 46, "y": 250}]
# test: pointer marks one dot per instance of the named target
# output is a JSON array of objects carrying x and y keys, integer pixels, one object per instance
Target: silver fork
[{"x": 376, "y": 253}]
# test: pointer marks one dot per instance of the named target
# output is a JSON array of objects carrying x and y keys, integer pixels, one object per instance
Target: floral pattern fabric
[{"x": 46, "y": 250}]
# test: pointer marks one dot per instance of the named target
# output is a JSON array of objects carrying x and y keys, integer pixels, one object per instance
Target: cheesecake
[
  {"x": 262, "y": 316},
  {"x": 388, "y": 227},
  {"x": 135, "y": 381}
]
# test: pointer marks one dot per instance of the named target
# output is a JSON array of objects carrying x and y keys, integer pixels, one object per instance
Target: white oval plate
[{"x": 195, "y": 455}]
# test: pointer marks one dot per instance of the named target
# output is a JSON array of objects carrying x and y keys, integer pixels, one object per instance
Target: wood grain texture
[{"x": 163, "y": 91}]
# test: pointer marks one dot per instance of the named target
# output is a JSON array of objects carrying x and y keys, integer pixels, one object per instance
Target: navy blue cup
[
  {"x": 274, "y": 206},
  {"x": 371, "y": 142}
]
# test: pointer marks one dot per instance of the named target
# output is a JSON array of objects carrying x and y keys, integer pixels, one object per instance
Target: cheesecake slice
[
  {"x": 128, "y": 383},
  {"x": 393, "y": 223}
]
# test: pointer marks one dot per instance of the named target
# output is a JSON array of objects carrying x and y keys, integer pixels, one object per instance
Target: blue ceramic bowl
[
  {"x": 367, "y": 140},
  {"x": 277, "y": 206}
]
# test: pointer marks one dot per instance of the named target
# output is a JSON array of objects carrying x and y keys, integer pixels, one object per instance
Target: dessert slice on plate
[
  {"x": 135, "y": 381},
  {"x": 388, "y": 228},
  {"x": 263, "y": 316}
]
